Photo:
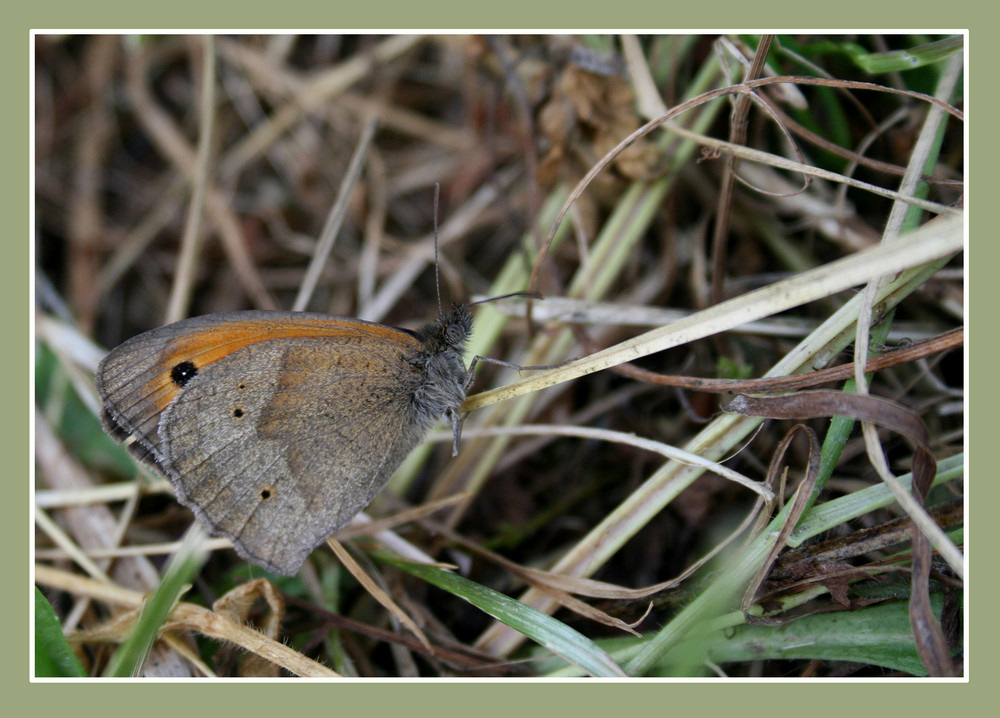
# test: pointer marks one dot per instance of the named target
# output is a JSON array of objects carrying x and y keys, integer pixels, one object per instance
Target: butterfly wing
[{"x": 276, "y": 443}]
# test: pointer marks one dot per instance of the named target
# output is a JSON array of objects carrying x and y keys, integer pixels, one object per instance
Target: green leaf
[
  {"x": 53, "y": 656},
  {"x": 542, "y": 628},
  {"x": 879, "y": 635}
]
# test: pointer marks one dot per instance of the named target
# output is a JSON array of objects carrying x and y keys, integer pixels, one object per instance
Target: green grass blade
[
  {"x": 902, "y": 60},
  {"x": 180, "y": 571},
  {"x": 850, "y": 506},
  {"x": 542, "y": 628}
]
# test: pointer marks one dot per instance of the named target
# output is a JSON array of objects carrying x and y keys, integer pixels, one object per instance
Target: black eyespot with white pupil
[{"x": 182, "y": 373}]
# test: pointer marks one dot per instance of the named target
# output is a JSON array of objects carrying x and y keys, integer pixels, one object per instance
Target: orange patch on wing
[{"x": 207, "y": 345}]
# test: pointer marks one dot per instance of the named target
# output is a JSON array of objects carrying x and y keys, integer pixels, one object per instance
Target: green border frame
[{"x": 437, "y": 697}]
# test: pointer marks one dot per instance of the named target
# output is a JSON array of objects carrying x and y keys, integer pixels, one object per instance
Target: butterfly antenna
[
  {"x": 529, "y": 295},
  {"x": 437, "y": 270}
]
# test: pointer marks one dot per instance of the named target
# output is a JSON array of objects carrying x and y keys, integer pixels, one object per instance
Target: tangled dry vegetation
[{"x": 736, "y": 239}]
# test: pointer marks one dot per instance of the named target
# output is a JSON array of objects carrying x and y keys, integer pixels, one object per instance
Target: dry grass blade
[
  {"x": 375, "y": 590},
  {"x": 802, "y": 495},
  {"x": 930, "y": 242},
  {"x": 180, "y": 294},
  {"x": 190, "y": 617}
]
